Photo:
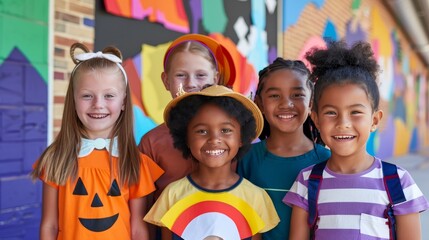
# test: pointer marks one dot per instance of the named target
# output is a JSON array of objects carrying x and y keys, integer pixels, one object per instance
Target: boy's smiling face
[{"x": 214, "y": 137}]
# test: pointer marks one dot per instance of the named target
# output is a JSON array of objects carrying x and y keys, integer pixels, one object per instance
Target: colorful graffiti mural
[
  {"x": 403, "y": 81},
  {"x": 23, "y": 114},
  {"x": 240, "y": 25}
]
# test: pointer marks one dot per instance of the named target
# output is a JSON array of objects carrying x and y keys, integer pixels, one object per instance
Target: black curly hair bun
[{"x": 339, "y": 55}]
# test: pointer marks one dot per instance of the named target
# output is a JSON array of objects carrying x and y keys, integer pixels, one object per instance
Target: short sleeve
[
  {"x": 268, "y": 212},
  {"x": 415, "y": 200},
  {"x": 161, "y": 206},
  {"x": 149, "y": 173},
  {"x": 43, "y": 178},
  {"x": 298, "y": 193}
]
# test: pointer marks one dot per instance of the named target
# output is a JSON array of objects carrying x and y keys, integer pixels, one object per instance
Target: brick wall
[{"x": 73, "y": 22}]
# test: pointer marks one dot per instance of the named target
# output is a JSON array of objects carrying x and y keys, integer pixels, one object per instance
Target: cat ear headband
[{"x": 79, "y": 58}]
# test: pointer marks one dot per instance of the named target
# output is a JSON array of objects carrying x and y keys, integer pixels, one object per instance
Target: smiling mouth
[
  {"x": 98, "y": 116},
  {"x": 215, "y": 152},
  {"x": 343, "y": 138},
  {"x": 288, "y": 116},
  {"x": 99, "y": 224}
]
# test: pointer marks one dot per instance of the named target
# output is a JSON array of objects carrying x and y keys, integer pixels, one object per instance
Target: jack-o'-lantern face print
[{"x": 97, "y": 224}]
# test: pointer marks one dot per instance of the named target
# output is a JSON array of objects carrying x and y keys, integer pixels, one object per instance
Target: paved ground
[{"x": 418, "y": 166}]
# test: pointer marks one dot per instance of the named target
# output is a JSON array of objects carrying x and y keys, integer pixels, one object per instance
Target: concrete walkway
[{"x": 417, "y": 164}]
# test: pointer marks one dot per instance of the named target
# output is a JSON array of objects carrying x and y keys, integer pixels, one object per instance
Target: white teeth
[
  {"x": 285, "y": 116},
  {"x": 98, "y": 115},
  {"x": 344, "y": 137},
  {"x": 215, "y": 152}
]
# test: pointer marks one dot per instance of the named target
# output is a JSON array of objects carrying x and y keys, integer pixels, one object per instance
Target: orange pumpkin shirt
[{"x": 95, "y": 206}]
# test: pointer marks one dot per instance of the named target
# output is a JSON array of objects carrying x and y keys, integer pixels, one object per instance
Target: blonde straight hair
[{"x": 58, "y": 162}]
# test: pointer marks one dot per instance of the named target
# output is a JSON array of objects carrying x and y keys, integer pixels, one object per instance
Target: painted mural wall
[
  {"x": 23, "y": 113},
  {"x": 144, "y": 29},
  {"x": 403, "y": 80}
]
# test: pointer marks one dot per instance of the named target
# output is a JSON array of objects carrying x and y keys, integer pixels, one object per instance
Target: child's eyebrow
[
  {"x": 357, "y": 105},
  {"x": 300, "y": 88},
  {"x": 229, "y": 123}
]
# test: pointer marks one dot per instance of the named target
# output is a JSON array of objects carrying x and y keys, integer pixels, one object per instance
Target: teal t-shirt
[{"x": 276, "y": 175}]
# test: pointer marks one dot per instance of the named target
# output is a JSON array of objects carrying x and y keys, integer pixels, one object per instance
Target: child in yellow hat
[{"x": 214, "y": 127}]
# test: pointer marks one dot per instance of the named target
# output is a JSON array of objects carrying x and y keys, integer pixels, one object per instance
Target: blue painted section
[
  {"x": 415, "y": 142},
  {"x": 292, "y": 10},
  {"x": 330, "y": 33},
  {"x": 145, "y": 124},
  {"x": 88, "y": 22}
]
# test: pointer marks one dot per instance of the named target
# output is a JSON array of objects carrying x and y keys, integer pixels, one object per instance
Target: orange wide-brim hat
[
  {"x": 225, "y": 63},
  {"x": 221, "y": 91}
]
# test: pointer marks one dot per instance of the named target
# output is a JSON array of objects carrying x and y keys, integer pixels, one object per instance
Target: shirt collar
[{"x": 88, "y": 145}]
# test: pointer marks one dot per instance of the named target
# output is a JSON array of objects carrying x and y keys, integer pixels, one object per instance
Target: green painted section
[
  {"x": 356, "y": 4},
  {"x": 214, "y": 17},
  {"x": 24, "y": 25}
]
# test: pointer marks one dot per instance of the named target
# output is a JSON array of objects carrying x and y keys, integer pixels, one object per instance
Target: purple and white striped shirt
[{"x": 351, "y": 206}]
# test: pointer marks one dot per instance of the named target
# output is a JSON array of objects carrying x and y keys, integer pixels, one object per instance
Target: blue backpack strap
[
  {"x": 392, "y": 183},
  {"x": 314, "y": 182},
  {"x": 395, "y": 193}
]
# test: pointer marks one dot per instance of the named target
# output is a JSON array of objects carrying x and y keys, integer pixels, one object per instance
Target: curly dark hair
[
  {"x": 298, "y": 66},
  {"x": 182, "y": 114},
  {"x": 339, "y": 64}
]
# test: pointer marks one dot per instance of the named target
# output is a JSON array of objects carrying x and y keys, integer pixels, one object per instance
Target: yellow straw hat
[{"x": 221, "y": 91}]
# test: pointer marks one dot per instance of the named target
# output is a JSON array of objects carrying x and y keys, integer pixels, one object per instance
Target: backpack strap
[
  {"x": 314, "y": 183},
  {"x": 395, "y": 193}
]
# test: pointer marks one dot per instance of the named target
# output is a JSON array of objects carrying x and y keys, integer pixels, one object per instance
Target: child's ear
[
  {"x": 164, "y": 78},
  {"x": 376, "y": 119},
  {"x": 123, "y": 103}
]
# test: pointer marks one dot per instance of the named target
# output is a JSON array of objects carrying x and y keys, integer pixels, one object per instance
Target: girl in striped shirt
[{"x": 352, "y": 197}]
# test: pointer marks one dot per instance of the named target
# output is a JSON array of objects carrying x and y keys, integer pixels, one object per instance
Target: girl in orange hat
[{"x": 191, "y": 62}]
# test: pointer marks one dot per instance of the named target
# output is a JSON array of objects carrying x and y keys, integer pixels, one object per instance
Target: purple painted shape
[
  {"x": 196, "y": 10},
  {"x": 9, "y": 169},
  {"x": 399, "y": 81},
  {"x": 17, "y": 191},
  {"x": 32, "y": 151},
  {"x": 23, "y": 121},
  {"x": 36, "y": 90},
  {"x": 11, "y": 81},
  {"x": 21, "y": 223},
  {"x": 137, "y": 60},
  {"x": 272, "y": 54},
  {"x": 35, "y": 123},
  {"x": 12, "y": 122},
  {"x": 352, "y": 37},
  {"x": 11, "y": 150},
  {"x": 387, "y": 139}
]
